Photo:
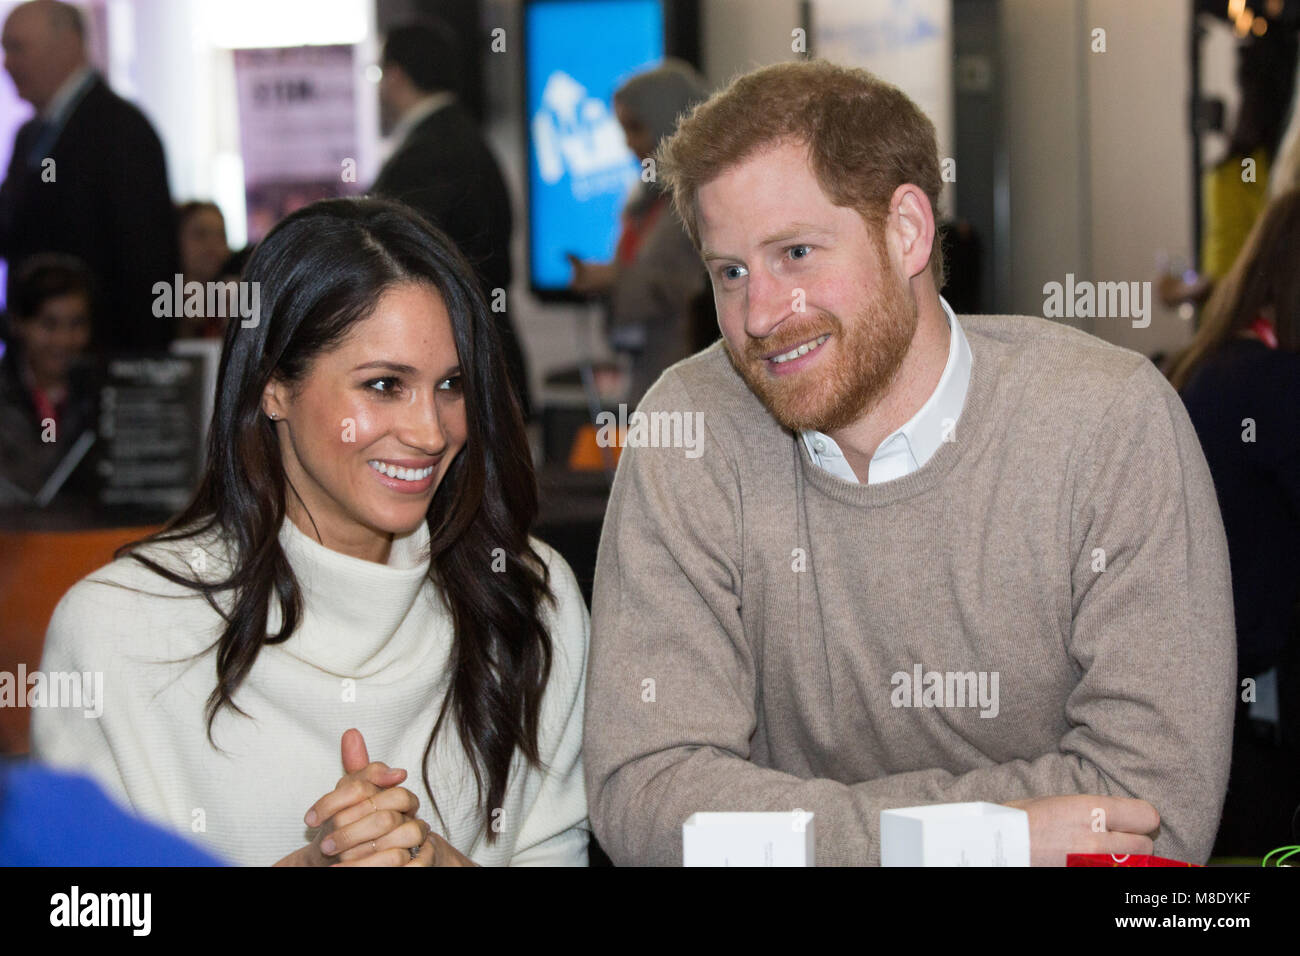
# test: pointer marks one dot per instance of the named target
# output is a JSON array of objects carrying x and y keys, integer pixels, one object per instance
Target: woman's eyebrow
[{"x": 399, "y": 367}]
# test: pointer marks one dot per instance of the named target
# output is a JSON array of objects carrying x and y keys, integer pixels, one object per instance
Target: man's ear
[
  {"x": 275, "y": 400},
  {"x": 912, "y": 229}
]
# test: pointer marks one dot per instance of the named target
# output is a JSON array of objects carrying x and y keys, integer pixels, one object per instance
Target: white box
[
  {"x": 748, "y": 839},
  {"x": 954, "y": 834}
]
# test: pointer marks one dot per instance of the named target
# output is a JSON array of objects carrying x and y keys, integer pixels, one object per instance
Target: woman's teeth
[
  {"x": 406, "y": 474},
  {"x": 801, "y": 350}
]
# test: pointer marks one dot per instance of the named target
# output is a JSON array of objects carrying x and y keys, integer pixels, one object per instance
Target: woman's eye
[
  {"x": 391, "y": 385},
  {"x": 450, "y": 384},
  {"x": 794, "y": 249},
  {"x": 734, "y": 272}
]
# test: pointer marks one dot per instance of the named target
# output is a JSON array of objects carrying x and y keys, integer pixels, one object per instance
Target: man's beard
[{"x": 828, "y": 397}]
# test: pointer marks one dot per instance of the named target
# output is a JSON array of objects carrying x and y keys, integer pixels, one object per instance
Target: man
[
  {"x": 442, "y": 167},
  {"x": 914, "y": 560},
  {"x": 87, "y": 178}
]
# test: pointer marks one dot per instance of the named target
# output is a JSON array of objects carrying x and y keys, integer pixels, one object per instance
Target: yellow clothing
[{"x": 1231, "y": 208}]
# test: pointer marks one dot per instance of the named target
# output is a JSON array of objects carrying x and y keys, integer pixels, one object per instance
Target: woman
[
  {"x": 47, "y": 395},
  {"x": 1240, "y": 381},
  {"x": 201, "y": 232},
  {"x": 356, "y": 556},
  {"x": 1235, "y": 190},
  {"x": 656, "y": 272}
]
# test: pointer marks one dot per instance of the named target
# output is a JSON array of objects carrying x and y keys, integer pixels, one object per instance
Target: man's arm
[{"x": 1151, "y": 715}]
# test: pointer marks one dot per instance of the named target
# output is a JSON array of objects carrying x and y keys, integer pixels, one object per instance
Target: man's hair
[
  {"x": 48, "y": 276},
  {"x": 865, "y": 138},
  {"x": 426, "y": 51}
]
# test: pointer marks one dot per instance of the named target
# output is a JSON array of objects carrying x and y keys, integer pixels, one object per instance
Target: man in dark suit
[
  {"x": 442, "y": 167},
  {"x": 87, "y": 178}
]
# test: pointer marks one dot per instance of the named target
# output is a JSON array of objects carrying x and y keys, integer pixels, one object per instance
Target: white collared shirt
[
  {"x": 908, "y": 448},
  {"x": 67, "y": 95}
]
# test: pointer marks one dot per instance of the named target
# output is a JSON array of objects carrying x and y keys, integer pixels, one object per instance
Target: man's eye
[
  {"x": 794, "y": 249},
  {"x": 391, "y": 386},
  {"x": 734, "y": 272}
]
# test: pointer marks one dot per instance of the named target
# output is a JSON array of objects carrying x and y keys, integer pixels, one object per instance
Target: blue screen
[{"x": 579, "y": 167}]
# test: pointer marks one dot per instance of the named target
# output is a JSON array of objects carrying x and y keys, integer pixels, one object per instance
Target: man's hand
[
  {"x": 1087, "y": 823},
  {"x": 591, "y": 278}
]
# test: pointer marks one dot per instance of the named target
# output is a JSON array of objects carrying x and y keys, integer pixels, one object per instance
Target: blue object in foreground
[{"x": 52, "y": 818}]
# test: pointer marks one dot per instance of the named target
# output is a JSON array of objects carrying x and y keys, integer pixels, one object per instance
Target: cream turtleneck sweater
[{"x": 371, "y": 652}]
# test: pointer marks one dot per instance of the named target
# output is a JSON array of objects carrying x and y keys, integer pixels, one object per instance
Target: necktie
[{"x": 44, "y": 133}]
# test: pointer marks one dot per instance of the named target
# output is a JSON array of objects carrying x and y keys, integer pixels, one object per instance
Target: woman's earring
[{"x": 273, "y": 416}]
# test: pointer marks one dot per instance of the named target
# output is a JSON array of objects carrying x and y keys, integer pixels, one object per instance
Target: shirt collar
[
  {"x": 907, "y": 448},
  {"x": 419, "y": 112},
  {"x": 65, "y": 98}
]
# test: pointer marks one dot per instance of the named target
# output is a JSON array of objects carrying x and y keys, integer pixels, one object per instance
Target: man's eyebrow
[{"x": 786, "y": 234}]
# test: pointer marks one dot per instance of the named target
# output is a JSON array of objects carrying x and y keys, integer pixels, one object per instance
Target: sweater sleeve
[
  {"x": 671, "y": 705},
  {"x": 1154, "y": 632},
  {"x": 66, "y": 737},
  {"x": 555, "y": 830}
]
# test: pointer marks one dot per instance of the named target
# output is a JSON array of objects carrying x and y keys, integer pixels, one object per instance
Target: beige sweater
[{"x": 758, "y": 625}]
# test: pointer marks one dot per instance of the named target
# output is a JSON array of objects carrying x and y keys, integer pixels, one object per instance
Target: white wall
[
  {"x": 1139, "y": 148},
  {"x": 1041, "y": 55}
]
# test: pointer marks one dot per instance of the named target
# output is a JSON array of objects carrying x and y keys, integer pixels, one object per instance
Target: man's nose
[{"x": 769, "y": 303}]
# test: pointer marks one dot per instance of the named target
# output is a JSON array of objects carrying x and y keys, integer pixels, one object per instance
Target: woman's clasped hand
[{"x": 369, "y": 819}]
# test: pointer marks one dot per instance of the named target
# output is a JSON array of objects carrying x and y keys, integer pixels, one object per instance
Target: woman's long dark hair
[
  {"x": 320, "y": 271},
  {"x": 1263, "y": 275}
]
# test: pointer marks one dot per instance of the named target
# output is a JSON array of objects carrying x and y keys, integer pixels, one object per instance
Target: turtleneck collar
[{"x": 353, "y": 607}]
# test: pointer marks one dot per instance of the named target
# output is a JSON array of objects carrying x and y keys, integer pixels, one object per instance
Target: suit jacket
[
  {"x": 446, "y": 172},
  {"x": 108, "y": 204}
]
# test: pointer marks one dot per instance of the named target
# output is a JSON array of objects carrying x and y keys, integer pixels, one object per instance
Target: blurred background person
[
  {"x": 656, "y": 277},
  {"x": 442, "y": 167},
  {"x": 1235, "y": 194},
  {"x": 47, "y": 400},
  {"x": 87, "y": 177},
  {"x": 1240, "y": 381},
  {"x": 204, "y": 251}
]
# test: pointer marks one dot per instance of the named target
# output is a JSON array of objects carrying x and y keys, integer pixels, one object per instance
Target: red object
[
  {"x": 635, "y": 229},
  {"x": 1121, "y": 859},
  {"x": 1264, "y": 331}
]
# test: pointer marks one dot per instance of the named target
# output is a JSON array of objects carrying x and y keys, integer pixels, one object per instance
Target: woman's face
[
  {"x": 203, "y": 245},
  {"x": 369, "y": 432},
  {"x": 55, "y": 337}
]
